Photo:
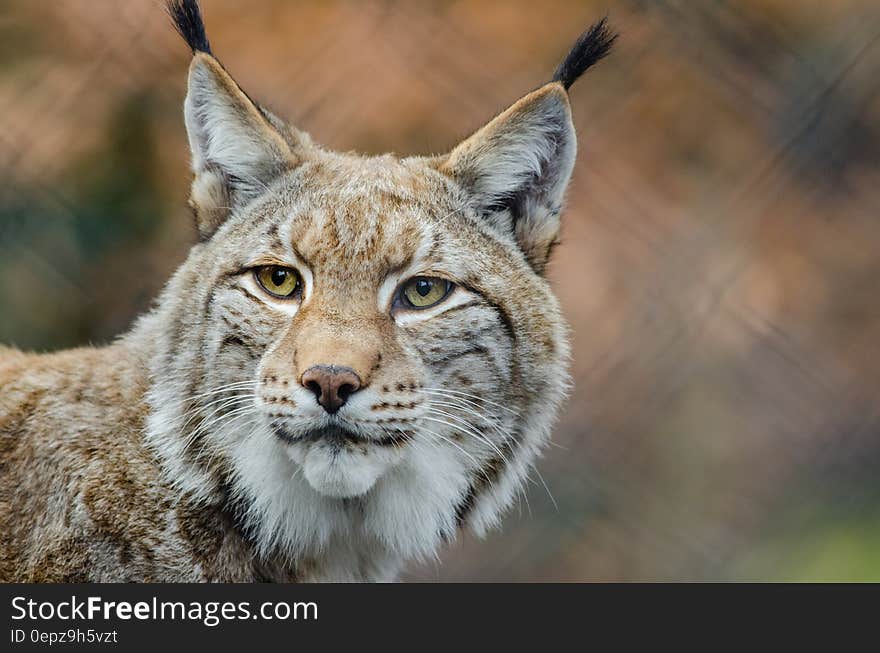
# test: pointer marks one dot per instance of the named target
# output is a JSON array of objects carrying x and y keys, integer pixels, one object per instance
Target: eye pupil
[
  {"x": 423, "y": 287},
  {"x": 279, "y": 276}
]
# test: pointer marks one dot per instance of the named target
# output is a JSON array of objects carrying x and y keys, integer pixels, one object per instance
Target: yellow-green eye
[
  {"x": 422, "y": 292},
  {"x": 277, "y": 280}
]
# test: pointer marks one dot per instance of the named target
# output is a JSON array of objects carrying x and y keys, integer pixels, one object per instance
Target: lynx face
[
  {"x": 361, "y": 350},
  {"x": 370, "y": 315}
]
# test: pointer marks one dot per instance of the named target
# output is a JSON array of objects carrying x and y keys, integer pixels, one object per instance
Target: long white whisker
[
  {"x": 226, "y": 402},
  {"x": 491, "y": 422},
  {"x": 444, "y": 438},
  {"x": 217, "y": 452},
  {"x": 222, "y": 400},
  {"x": 222, "y": 388},
  {"x": 546, "y": 487},
  {"x": 525, "y": 495},
  {"x": 441, "y": 391},
  {"x": 199, "y": 409},
  {"x": 470, "y": 430},
  {"x": 477, "y": 465},
  {"x": 211, "y": 423}
]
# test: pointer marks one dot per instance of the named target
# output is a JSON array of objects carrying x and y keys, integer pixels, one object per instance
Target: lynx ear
[
  {"x": 236, "y": 151},
  {"x": 516, "y": 169},
  {"x": 237, "y": 148}
]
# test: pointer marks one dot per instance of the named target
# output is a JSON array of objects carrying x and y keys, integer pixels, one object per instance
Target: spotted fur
[{"x": 191, "y": 450}]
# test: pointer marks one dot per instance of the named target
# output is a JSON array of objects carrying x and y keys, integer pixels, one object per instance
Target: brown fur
[
  {"x": 71, "y": 423},
  {"x": 192, "y": 450}
]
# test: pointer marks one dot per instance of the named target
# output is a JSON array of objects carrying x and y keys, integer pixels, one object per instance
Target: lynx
[{"x": 358, "y": 359}]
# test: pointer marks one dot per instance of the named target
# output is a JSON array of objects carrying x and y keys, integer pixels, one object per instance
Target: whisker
[
  {"x": 226, "y": 402},
  {"x": 222, "y": 388},
  {"x": 223, "y": 422},
  {"x": 470, "y": 430},
  {"x": 445, "y": 439},
  {"x": 493, "y": 423},
  {"x": 477, "y": 465},
  {"x": 546, "y": 487},
  {"x": 440, "y": 391},
  {"x": 214, "y": 423},
  {"x": 222, "y": 400}
]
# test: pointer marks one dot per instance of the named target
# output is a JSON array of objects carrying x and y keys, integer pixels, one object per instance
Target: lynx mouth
[
  {"x": 339, "y": 462},
  {"x": 338, "y": 435}
]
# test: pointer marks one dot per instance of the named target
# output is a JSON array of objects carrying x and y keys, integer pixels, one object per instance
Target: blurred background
[{"x": 720, "y": 262}]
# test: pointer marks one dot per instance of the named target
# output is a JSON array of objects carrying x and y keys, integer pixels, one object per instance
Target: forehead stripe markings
[{"x": 413, "y": 264}]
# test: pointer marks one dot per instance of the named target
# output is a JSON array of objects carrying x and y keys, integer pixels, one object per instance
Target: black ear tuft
[
  {"x": 594, "y": 44},
  {"x": 187, "y": 17}
]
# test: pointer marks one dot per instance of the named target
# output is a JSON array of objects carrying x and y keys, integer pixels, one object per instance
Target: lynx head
[{"x": 363, "y": 347}]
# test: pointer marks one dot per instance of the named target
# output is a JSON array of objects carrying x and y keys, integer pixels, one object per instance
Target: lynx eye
[
  {"x": 423, "y": 292},
  {"x": 278, "y": 281}
]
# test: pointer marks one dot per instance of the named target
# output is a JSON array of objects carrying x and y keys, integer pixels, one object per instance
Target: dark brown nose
[{"x": 332, "y": 385}]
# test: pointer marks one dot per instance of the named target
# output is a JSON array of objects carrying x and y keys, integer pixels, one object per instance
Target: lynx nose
[{"x": 331, "y": 384}]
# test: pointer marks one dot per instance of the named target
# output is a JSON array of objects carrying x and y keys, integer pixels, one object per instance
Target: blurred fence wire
[{"x": 719, "y": 266}]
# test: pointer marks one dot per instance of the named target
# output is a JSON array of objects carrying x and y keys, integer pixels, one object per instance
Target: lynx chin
[{"x": 358, "y": 358}]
